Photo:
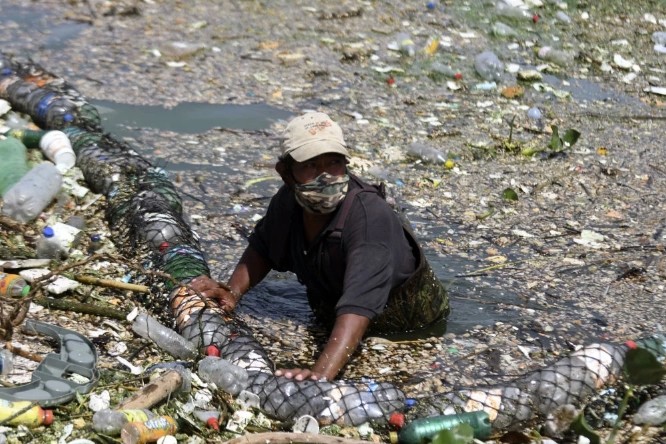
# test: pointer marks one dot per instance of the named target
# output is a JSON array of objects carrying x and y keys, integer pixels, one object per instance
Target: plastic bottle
[
  {"x": 57, "y": 148},
  {"x": 31, "y": 416},
  {"x": 659, "y": 37},
  {"x": 16, "y": 120},
  {"x": 29, "y": 137},
  {"x": 14, "y": 164},
  {"x": 57, "y": 241},
  {"x": 159, "y": 229},
  {"x": 95, "y": 243},
  {"x": 503, "y": 30},
  {"x": 506, "y": 10},
  {"x": 489, "y": 66},
  {"x": 13, "y": 285},
  {"x": 557, "y": 56},
  {"x": 26, "y": 199},
  {"x": 405, "y": 44},
  {"x": 423, "y": 429},
  {"x": 225, "y": 375},
  {"x": 148, "y": 431},
  {"x": 440, "y": 70},
  {"x": 6, "y": 362},
  {"x": 166, "y": 338},
  {"x": 110, "y": 422},
  {"x": 60, "y": 112},
  {"x": 426, "y": 152}
]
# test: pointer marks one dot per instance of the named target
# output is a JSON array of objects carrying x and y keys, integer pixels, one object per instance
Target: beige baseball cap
[{"x": 312, "y": 134}]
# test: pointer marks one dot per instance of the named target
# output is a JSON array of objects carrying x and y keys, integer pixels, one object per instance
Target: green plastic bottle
[
  {"x": 29, "y": 137},
  {"x": 423, "y": 430},
  {"x": 14, "y": 164}
]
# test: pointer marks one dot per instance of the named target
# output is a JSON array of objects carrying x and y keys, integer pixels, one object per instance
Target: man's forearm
[{"x": 347, "y": 333}]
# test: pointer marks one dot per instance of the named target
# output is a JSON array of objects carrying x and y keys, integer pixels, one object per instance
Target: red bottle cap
[
  {"x": 48, "y": 417},
  {"x": 213, "y": 424},
  {"x": 397, "y": 420},
  {"x": 212, "y": 350}
]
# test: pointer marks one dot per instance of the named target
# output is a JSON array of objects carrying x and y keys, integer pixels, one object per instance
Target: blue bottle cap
[
  {"x": 410, "y": 402},
  {"x": 95, "y": 238},
  {"x": 48, "y": 232}
]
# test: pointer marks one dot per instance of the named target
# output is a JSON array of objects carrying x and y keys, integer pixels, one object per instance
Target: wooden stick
[
  {"x": 153, "y": 393},
  {"x": 111, "y": 283},
  {"x": 79, "y": 307},
  {"x": 291, "y": 438},
  {"x": 24, "y": 353}
]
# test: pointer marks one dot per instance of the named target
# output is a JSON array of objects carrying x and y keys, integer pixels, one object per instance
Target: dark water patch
[
  {"x": 39, "y": 26},
  {"x": 124, "y": 120},
  {"x": 584, "y": 90}
]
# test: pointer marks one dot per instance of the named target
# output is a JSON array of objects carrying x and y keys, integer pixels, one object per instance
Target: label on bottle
[{"x": 135, "y": 415}]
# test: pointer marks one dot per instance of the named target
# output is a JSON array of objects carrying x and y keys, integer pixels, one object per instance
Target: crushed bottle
[
  {"x": 489, "y": 66},
  {"x": 225, "y": 375}
]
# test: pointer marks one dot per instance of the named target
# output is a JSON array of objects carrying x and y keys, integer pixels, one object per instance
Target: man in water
[{"x": 361, "y": 265}]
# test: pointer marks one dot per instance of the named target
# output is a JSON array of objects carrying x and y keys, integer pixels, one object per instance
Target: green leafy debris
[
  {"x": 509, "y": 194},
  {"x": 580, "y": 426}
]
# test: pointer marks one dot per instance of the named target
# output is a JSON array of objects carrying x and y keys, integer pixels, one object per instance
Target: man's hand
[
  {"x": 300, "y": 374},
  {"x": 211, "y": 289}
]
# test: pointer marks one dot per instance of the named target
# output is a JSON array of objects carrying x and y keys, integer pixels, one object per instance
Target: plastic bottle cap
[
  {"x": 397, "y": 420},
  {"x": 213, "y": 423},
  {"x": 394, "y": 437},
  {"x": 48, "y": 232},
  {"x": 212, "y": 350},
  {"x": 48, "y": 417},
  {"x": 25, "y": 291}
]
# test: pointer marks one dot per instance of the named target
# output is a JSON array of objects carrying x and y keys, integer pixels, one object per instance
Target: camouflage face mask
[{"x": 323, "y": 194}]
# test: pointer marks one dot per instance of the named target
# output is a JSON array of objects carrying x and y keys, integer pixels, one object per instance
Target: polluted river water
[{"x": 472, "y": 303}]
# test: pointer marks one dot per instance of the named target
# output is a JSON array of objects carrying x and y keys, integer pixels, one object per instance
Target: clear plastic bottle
[
  {"x": 160, "y": 229},
  {"x": 95, "y": 243},
  {"x": 427, "y": 153},
  {"x": 32, "y": 416},
  {"x": 166, "y": 338},
  {"x": 57, "y": 241},
  {"x": 57, "y": 148},
  {"x": 557, "y": 56},
  {"x": 439, "y": 70},
  {"x": 14, "y": 164},
  {"x": 60, "y": 112},
  {"x": 225, "y": 375},
  {"x": 148, "y": 431},
  {"x": 489, "y": 66},
  {"x": 13, "y": 285},
  {"x": 110, "y": 422},
  {"x": 28, "y": 197},
  {"x": 405, "y": 44},
  {"x": 6, "y": 362},
  {"x": 506, "y": 10}
]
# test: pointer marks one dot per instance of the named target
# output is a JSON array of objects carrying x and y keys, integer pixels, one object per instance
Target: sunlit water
[{"x": 472, "y": 302}]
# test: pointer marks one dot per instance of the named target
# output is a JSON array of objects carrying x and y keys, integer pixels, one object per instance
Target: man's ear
[{"x": 285, "y": 173}]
